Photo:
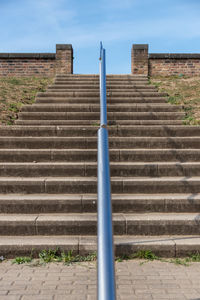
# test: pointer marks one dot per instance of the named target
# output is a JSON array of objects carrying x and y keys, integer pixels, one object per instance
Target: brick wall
[
  {"x": 38, "y": 64},
  {"x": 163, "y": 64},
  {"x": 174, "y": 64}
]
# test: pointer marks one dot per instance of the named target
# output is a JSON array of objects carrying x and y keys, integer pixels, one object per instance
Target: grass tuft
[
  {"x": 145, "y": 254},
  {"x": 50, "y": 255},
  {"x": 195, "y": 257},
  {"x": 56, "y": 255},
  {"x": 141, "y": 254},
  {"x": 47, "y": 256},
  {"x": 22, "y": 260}
]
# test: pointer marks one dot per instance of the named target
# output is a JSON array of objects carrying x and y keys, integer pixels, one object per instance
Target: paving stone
[
  {"x": 159, "y": 286},
  {"x": 33, "y": 297},
  {"x": 2, "y": 292},
  {"x": 11, "y": 297}
]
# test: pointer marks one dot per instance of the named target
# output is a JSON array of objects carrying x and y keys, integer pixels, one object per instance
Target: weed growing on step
[
  {"x": 22, "y": 260},
  {"x": 148, "y": 255},
  {"x": 185, "y": 261},
  {"x": 9, "y": 123},
  {"x": 175, "y": 100},
  {"x": 69, "y": 258},
  {"x": 189, "y": 117},
  {"x": 47, "y": 256},
  {"x": 145, "y": 254},
  {"x": 179, "y": 261},
  {"x": 15, "y": 81},
  {"x": 15, "y": 107},
  {"x": 195, "y": 257},
  {"x": 123, "y": 257},
  {"x": 53, "y": 255}
]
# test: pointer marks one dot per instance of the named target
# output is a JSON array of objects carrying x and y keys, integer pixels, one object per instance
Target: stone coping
[
  {"x": 28, "y": 55},
  {"x": 63, "y": 46},
  {"x": 174, "y": 55}
]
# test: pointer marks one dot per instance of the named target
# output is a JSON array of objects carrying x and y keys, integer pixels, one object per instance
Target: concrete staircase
[{"x": 48, "y": 170}]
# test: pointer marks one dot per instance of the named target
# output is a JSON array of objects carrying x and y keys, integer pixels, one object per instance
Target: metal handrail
[{"x": 105, "y": 257}]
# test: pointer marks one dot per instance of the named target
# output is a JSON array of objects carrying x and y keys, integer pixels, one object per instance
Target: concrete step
[
  {"x": 87, "y": 203},
  {"x": 117, "y": 169},
  {"x": 96, "y": 122},
  {"x": 163, "y": 246},
  {"x": 117, "y": 82},
  {"x": 109, "y": 84},
  {"x": 119, "y": 185},
  {"x": 86, "y": 224},
  {"x": 124, "y": 87},
  {"x": 95, "y": 91},
  {"x": 95, "y": 115},
  {"x": 96, "y": 76},
  {"x": 91, "y": 142},
  {"x": 97, "y": 80},
  {"x": 96, "y": 94},
  {"x": 80, "y": 155},
  {"x": 136, "y": 100},
  {"x": 109, "y": 81},
  {"x": 96, "y": 108},
  {"x": 155, "y": 131},
  {"x": 114, "y": 130}
]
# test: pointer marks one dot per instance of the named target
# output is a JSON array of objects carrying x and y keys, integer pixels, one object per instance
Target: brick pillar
[
  {"x": 139, "y": 59},
  {"x": 64, "y": 59}
]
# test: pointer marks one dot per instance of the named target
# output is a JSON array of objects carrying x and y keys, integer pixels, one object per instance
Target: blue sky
[{"x": 37, "y": 25}]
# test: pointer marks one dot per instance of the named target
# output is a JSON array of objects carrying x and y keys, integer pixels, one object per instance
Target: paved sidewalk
[{"x": 151, "y": 280}]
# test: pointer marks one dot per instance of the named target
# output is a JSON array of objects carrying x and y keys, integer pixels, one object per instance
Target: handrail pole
[
  {"x": 105, "y": 261},
  {"x": 103, "y": 104}
]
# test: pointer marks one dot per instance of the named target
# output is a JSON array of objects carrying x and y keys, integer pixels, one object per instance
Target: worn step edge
[
  {"x": 96, "y": 90},
  {"x": 37, "y": 108},
  {"x": 114, "y": 130},
  {"x": 163, "y": 246},
  {"x": 86, "y": 224},
  {"x": 95, "y": 115},
  {"x": 120, "y": 100},
  {"x": 79, "y": 85},
  {"x": 86, "y": 203},
  {"x": 97, "y": 105},
  {"x": 95, "y": 82},
  {"x": 126, "y": 169},
  {"x": 96, "y": 86},
  {"x": 96, "y": 94},
  {"x": 42, "y": 101},
  {"x": 92, "y": 122},
  {"x": 96, "y": 76},
  {"x": 137, "y": 185},
  {"x": 132, "y": 155},
  {"x": 33, "y": 142}
]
